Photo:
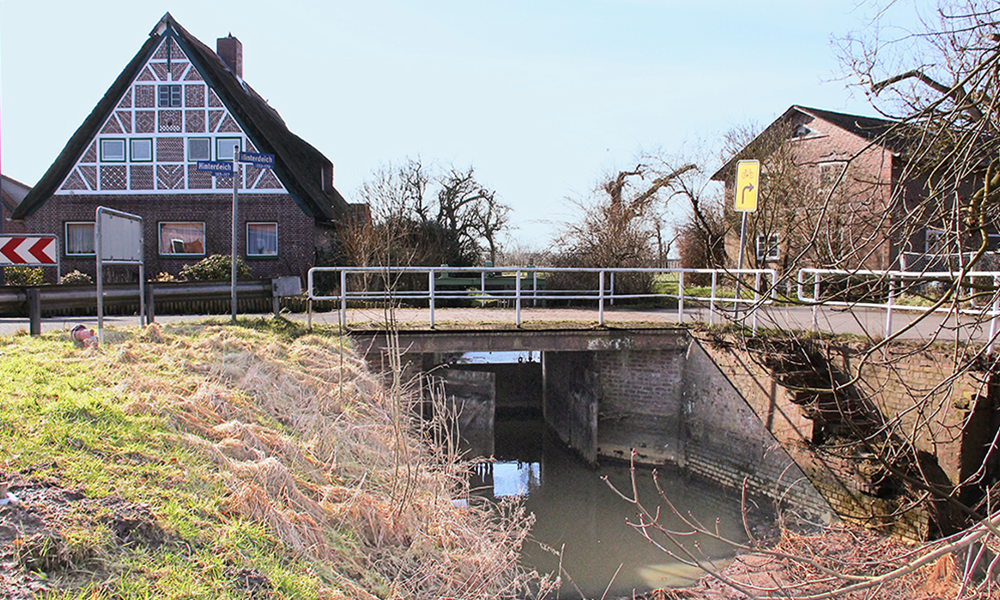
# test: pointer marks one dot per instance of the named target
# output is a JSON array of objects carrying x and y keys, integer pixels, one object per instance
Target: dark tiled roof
[
  {"x": 880, "y": 131},
  {"x": 299, "y": 166},
  {"x": 13, "y": 192}
]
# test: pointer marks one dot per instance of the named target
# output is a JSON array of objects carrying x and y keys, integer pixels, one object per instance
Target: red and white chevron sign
[{"x": 27, "y": 250}]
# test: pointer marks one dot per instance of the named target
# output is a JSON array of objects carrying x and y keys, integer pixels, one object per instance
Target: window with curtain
[
  {"x": 186, "y": 238},
  {"x": 262, "y": 239},
  {"x": 80, "y": 238}
]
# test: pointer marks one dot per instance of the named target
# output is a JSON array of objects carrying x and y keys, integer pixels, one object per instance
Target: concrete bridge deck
[{"x": 867, "y": 323}]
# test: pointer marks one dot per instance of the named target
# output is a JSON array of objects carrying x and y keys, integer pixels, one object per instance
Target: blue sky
[{"x": 541, "y": 97}]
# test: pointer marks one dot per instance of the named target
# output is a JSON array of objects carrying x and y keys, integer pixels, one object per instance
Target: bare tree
[
  {"x": 422, "y": 218},
  {"x": 940, "y": 85}
]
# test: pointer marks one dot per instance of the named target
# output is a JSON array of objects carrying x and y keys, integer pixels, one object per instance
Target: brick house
[
  {"x": 175, "y": 103},
  {"x": 832, "y": 187},
  {"x": 12, "y": 192}
]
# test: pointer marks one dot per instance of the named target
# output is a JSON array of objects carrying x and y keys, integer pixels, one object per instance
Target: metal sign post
[
  {"x": 261, "y": 161},
  {"x": 236, "y": 180},
  {"x": 745, "y": 200},
  {"x": 119, "y": 240}
]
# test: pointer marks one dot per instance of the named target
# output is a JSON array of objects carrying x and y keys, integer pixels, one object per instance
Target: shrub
[
  {"x": 214, "y": 268},
  {"x": 24, "y": 275},
  {"x": 76, "y": 277}
]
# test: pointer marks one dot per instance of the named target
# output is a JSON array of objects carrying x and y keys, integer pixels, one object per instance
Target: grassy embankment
[{"x": 219, "y": 461}]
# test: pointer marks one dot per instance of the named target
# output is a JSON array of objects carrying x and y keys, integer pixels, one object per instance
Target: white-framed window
[
  {"x": 934, "y": 241},
  {"x": 169, "y": 96},
  {"x": 768, "y": 247},
  {"x": 141, "y": 149},
  {"x": 227, "y": 147},
  {"x": 199, "y": 148},
  {"x": 112, "y": 150},
  {"x": 183, "y": 238},
  {"x": 79, "y": 236},
  {"x": 262, "y": 239}
]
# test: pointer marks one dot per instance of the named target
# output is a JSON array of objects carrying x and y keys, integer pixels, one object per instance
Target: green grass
[{"x": 65, "y": 421}]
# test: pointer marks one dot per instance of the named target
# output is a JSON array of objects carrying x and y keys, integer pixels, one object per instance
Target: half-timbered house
[{"x": 176, "y": 103}]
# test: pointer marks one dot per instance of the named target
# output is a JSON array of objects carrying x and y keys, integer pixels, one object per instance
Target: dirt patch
[
  {"x": 251, "y": 582},
  {"x": 35, "y": 539}
]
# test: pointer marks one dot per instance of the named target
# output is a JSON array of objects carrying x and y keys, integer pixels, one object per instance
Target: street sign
[
  {"x": 118, "y": 237},
  {"x": 747, "y": 181},
  {"x": 261, "y": 161},
  {"x": 31, "y": 250},
  {"x": 217, "y": 168}
]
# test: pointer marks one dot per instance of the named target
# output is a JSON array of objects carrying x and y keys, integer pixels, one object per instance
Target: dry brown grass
[{"x": 313, "y": 445}]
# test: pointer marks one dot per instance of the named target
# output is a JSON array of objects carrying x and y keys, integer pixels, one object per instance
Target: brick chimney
[{"x": 230, "y": 50}]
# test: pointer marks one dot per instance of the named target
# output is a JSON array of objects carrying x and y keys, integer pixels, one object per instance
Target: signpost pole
[
  {"x": 236, "y": 174},
  {"x": 745, "y": 200}
]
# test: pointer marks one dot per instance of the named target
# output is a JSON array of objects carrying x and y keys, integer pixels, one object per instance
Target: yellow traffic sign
[{"x": 747, "y": 181}]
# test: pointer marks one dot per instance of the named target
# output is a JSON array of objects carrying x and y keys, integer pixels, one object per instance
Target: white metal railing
[
  {"x": 506, "y": 284},
  {"x": 893, "y": 280}
]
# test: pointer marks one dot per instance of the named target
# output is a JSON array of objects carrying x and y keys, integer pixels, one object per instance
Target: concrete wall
[
  {"x": 728, "y": 434},
  {"x": 571, "y": 400},
  {"x": 910, "y": 390},
  {"x": 640, "y": 394}
]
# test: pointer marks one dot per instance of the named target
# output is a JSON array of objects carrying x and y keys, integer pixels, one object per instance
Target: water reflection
[{"x": 579, "y": 516}]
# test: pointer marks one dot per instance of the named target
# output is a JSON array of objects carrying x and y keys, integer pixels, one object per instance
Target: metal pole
[
  {"x": 534, "y": 288},
  {"x": 816, "y": 301},
  {"x": 430, "y": 286},
  {"x": 611, "y": 291},
  {"x": 517, "y": 297},
  {"x": 711, "y": 303},
  {"x": 993, "y": 320},
  {"x": 100, "y": 279},
  {"x": 236, "y": 181},
  {"x": 482, "y": 289},
  {"x": 888, "y": 306},
  {"x": 739, "y": 266},
  {"x": 680, "y": 297},
  {"x": 600, "y": 301},
  {"x": 756, "y": 300},
  {"x": 343, "y": 300}
]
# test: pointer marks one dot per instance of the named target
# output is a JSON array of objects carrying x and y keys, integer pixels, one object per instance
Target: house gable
[
  {"x": 802, "y": 124},
  {"x": 166, "y": 120},
  {"x": 209, "y": 101}
]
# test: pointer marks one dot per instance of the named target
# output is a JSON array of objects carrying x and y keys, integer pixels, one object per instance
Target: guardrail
[
  {"x": 896, "y": 283},
  {"x": 762, "y": 288},
  {"x": 59, "y": 297}
]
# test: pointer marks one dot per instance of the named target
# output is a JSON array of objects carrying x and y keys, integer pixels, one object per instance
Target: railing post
[
  {"x": 150, "y": 303},
  {"x": 482, "y": 289},
  {"x": 815, "y": 311},
  {"x": 517, "y": 297},
  {"x": 711, "y": 302},
  {"x": 34, "y": 312},
  {"x": 993, "y": 319},
  {"x": 343, "y": 300},
  {"x": 430, "y": 287},
  {"x": 756, "y": 300},
  {"x": 612, "y": 289},
  {"x": 888, "y": 306},
  {"x": 600, "y": 300},
  {"x": 680, "y": 297},
  {"x": 534, "y": 288}
]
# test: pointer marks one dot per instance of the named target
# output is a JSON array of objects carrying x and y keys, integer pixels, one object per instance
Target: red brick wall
[
  {"x": 298, "y": 234},
  {"x": 868, "y": 186}
]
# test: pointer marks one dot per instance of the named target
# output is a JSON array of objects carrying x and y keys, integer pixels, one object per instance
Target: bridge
[{"x": 870, "y": 304}]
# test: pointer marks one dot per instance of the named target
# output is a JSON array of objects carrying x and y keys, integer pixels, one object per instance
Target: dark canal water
[{"x": 578, "y": 515}]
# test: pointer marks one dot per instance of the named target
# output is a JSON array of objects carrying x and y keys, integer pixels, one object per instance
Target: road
[{"x": 867, "y": 323}]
